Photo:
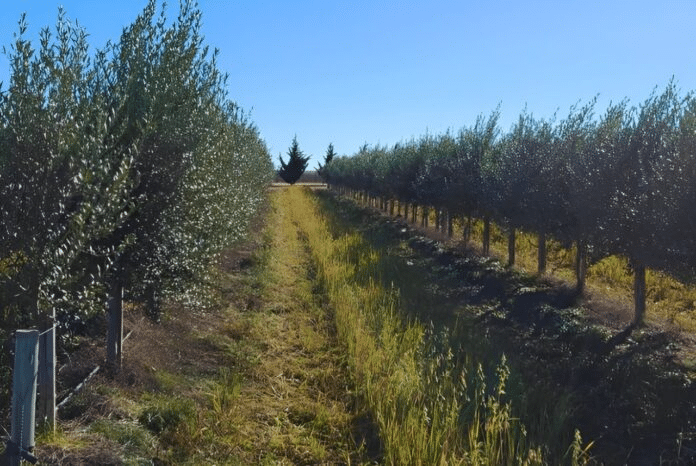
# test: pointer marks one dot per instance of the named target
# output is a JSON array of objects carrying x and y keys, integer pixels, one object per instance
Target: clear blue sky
[{"x": 351, "y": 72}]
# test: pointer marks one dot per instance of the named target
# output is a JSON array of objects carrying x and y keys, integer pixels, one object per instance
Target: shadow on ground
[{"x": 625, "y": 387}]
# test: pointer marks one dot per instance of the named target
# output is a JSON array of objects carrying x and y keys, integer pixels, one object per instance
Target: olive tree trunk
[
  {"x": 466, "y": 228},
  {"x": 580, "y": 266},
  {"x": 486, "y": 235},
  {"x": 639, "y": 292},
  {"x": 541, "y": 253}
]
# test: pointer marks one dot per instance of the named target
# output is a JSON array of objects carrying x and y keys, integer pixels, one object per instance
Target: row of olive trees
[
  {"x": 127, "y": 167},
  {"x": 621, "y": 183}
]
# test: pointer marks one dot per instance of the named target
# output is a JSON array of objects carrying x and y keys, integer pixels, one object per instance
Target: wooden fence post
[
  {"x": 47, "y": 378},
  {"x": 23, "y": 394}
]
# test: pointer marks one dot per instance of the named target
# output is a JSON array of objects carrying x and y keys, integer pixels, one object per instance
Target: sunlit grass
[
  {"x": 58, "y": 438},
  {"x": 431, "y": 407}
]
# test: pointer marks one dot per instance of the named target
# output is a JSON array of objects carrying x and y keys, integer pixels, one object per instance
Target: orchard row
[
  {"x": 621, "y": 183},
  {"x": 128, "y": 166}
]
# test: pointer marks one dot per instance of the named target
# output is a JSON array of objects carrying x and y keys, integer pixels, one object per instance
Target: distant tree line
[
  {"x": 127, "y": 167},
  {"x": 621, "y": 183}
]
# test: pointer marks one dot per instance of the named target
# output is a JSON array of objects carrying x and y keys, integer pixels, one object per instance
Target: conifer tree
[
  {"x": 330, "y": 154},
  {"x": 297, "y": 164}
]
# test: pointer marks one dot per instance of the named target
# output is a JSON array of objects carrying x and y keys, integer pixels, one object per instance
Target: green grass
[
  {"x": 137, "y": 442},
  {"x": 315, "y": 352},
  {"x": 433, "y": 405}
]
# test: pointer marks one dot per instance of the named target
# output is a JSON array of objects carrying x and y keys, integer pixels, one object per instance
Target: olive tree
[
  {"x": 523, "y": 175},
  {"x": 591, "y": 162},
  {"x": 132, "y": 167},
  {"x": 643, "y": 207},
  {"x": 61, "y": 190}
]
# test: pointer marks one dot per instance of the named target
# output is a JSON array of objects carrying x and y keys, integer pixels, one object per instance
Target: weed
[
  {"x": 224, "y": 392},
  {"x": 166, "y": 414},
  {"x": 136, "y": 441}
]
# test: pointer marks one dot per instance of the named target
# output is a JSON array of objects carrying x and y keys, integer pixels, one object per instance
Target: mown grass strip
[
  {"x": 301, "y": 411},
  {"x": 259, "y": 380}
]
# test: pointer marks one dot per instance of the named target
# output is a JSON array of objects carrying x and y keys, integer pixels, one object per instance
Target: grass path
[
  {"x": 306, "y": 341},
  {"x": 298, "y": 406},
  {"x": 261, "y": 379}
]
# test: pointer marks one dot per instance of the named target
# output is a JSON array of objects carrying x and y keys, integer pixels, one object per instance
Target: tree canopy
[
  {"x": 620, "y": 184},
  {"x": 132, "y": 152}
]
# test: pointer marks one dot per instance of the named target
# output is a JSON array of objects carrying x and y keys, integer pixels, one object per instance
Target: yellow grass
[{"x": 429, "y": 409}]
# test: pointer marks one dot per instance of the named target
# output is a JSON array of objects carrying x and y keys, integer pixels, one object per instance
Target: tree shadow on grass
[{"x": 630, "y": 396}]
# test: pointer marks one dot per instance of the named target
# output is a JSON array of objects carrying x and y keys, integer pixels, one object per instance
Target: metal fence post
[
  {"x": 23, "y": 394},
  {"x": 114, "y": 343}
]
